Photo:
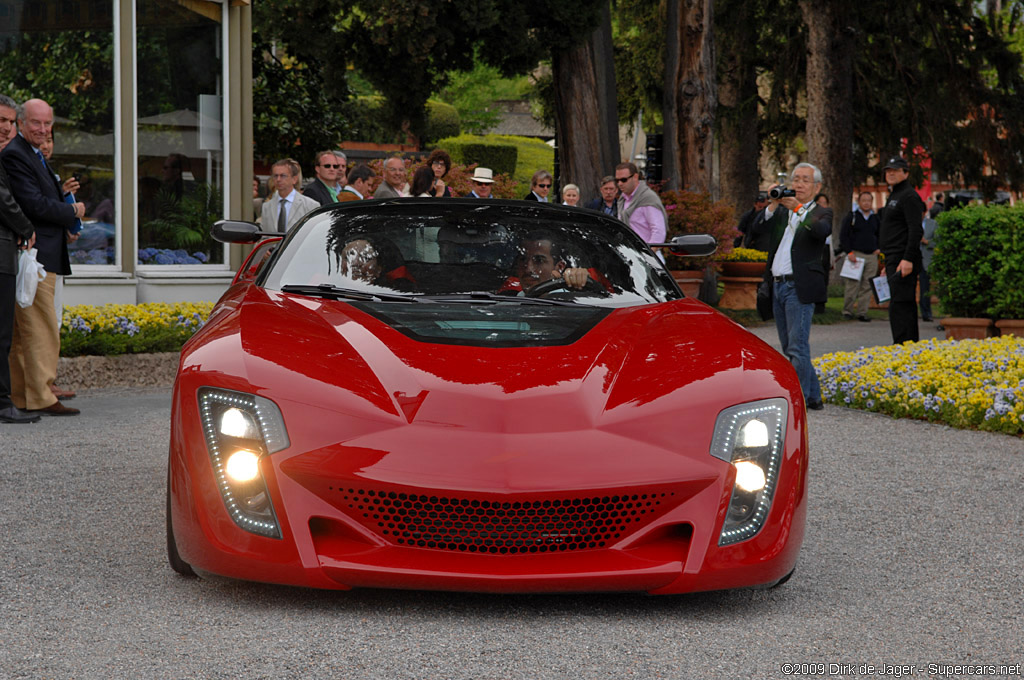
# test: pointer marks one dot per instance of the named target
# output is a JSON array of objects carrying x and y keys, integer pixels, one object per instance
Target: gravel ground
[{"x": 912, "y": 556}]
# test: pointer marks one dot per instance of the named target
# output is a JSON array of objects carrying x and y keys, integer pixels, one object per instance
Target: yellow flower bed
[
  {"x": 975, "y": 384},
  {"x": 114, "y": 318},
  {"x": 130, "y": 329},
  {"x": 744, "y": 255}
]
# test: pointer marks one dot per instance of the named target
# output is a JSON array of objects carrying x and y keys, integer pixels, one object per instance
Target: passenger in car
[{"x": 373, "y": 259}]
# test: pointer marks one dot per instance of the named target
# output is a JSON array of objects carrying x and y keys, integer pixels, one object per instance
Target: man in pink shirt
[{"x": 639, "y": 205}]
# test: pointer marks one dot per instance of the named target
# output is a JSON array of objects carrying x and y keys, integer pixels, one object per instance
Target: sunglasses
[
  {"x": 328, "y": 165},
  {"x": 543, "y": 186},
  {"x": 620, "y": 180}
]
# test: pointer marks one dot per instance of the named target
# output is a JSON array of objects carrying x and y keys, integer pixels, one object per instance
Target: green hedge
[
  {"x": 978, "y": 266},
  {"x": 501, "y": 157}
]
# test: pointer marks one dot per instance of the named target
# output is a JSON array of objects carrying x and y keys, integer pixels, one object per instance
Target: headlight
[
  {"x": 241, "y": 430},
  {"x": 751, "y": 437}
]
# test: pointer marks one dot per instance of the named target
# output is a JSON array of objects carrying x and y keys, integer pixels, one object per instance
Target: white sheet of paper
[
  {"x": 852, "y": 270},
  {"x": 881, "y": 285}
]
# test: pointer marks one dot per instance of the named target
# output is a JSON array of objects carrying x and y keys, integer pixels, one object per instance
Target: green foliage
[
  {"x": 72, "y": 70},
  {"x": 300, "y": 96},
  {"x": 371, "y": 124},
  {"x": 491, "y": 153},
  {"x": 695, "y": 213},
  {"x": 473, "y": 94},
  {"x": 443, "y": 120},
  {"x": 978, "y": 266},
  {"x": 107, "y": 343},
  {"x": 185, "y": 222},
  {"x": 639, "y": 41}
]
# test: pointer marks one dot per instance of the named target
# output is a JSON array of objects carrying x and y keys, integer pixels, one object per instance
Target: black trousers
[
  {"x": 903, "y": 305},
  {"x": 7, "y": 287}
]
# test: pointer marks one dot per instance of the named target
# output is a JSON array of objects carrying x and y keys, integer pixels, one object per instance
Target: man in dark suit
[
  {"x": 15, "y": 231},
  {"x": 606, "y": 203},
  {"x": 540, "y": 186},
  {"x": 35, "y": 349},
  {"x": 325, "y": 187},
  {"x": 798, "y": 230}
]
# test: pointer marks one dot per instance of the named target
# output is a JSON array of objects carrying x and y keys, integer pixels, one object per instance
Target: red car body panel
[{"x": 387, "y": 430}]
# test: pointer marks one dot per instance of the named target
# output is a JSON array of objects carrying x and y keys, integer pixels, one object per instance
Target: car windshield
[{"x": 463, "y": 250}]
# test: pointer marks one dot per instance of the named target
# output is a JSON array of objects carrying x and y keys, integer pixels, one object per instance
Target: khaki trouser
[
  {"x": 857, "y": 294},
  {"x": 35, "y": 349}
]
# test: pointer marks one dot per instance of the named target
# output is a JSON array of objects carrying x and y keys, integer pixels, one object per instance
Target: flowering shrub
[
  {"x": 130, "y": 329},
  {"x": 168, "y": 256},
  {"x": 744, "y": 255},
  {"x": 693, "y": 213},
  {"x": 966, "y": 384}
]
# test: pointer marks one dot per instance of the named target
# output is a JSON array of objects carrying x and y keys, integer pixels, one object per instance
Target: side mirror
[
  {"x": 236, "y": 231},
  {"x": 690, "y": 245}
]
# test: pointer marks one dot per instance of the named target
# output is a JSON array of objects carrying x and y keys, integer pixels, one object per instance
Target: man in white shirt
[
  {"x": 798, "y": 231},
  {"x": 284, "y": 210}
]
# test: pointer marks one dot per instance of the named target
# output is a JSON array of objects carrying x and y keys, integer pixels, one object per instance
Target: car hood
[{"x": 324, "y": 359}]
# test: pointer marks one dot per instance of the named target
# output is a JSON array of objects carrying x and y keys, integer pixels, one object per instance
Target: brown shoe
[
  {"x": 56, "y": 409},
  {"x": 63, "y": 395}
]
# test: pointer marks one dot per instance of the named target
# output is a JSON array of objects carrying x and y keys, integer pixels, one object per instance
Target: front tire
[{"x": 177, "y": 564}]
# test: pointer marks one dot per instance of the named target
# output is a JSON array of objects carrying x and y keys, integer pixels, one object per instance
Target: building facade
[{"x": 153, "y": 112}]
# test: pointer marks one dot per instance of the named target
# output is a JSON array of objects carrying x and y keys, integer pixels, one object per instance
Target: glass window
[
  {"x": 62, "y": 52},
  {"x": 180, "y": 131}
]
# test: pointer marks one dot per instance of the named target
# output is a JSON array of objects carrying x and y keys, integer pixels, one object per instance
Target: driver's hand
[{"x": 575, "y": 277}]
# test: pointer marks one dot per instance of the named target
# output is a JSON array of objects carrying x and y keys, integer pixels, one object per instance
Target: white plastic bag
[{"x": 30, "y": 273}]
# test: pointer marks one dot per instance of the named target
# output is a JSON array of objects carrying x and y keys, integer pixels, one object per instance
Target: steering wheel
[{"x": 551, "y": 285}]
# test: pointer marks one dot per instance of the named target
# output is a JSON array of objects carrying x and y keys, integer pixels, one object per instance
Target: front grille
[{"x": 477, "y": 525}]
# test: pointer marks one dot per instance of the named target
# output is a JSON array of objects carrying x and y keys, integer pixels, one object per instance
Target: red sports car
[{"x": 472, "y": 395}]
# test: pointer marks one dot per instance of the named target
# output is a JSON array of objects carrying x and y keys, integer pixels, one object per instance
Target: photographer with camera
[{"x": 797, "y": 229}]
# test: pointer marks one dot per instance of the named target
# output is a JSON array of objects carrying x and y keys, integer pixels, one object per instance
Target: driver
[{"x": 542, "y": 260}]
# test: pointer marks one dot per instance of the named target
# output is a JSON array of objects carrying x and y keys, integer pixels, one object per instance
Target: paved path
[{"x": 847, "y": 336}]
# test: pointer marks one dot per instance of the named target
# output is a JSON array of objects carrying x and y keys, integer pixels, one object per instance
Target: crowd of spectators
[{"x": 624, "y": 195}]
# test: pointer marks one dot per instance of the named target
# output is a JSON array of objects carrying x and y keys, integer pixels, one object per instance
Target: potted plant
[{"x": 743, "y": 262}]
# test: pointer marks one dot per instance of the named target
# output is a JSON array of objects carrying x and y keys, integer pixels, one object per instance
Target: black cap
[{"x": 897, "y": 163}]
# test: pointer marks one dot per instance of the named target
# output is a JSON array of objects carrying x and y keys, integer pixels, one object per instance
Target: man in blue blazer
[
  {"x": 35, "y": 349},
  {"x": 798, "y": 230}
]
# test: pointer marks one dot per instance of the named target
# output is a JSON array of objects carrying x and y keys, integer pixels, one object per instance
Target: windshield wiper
[
  {"x": 332, "y": 291},
  {"x": 494, "y": 298}
]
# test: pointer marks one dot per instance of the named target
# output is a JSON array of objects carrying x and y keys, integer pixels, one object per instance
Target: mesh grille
[{"x": 500, "y": 527}]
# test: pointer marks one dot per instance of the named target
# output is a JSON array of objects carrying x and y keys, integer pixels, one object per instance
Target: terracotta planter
[
  {"x": 1013, "y": 327},
  {"x": 689, "y": 280},
  {"x": 743, "y": 268},
  {"x": 963, "y": 328},
  {"x": 739, "y": 292}
]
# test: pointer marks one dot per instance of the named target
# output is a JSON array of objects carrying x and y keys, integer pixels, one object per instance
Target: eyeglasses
[
  {"x": 332, "y": 167},
  {"x": 621, "y": 180},
  {"x": 543, "y": 186},
  {"x": 441, "y": 163}
]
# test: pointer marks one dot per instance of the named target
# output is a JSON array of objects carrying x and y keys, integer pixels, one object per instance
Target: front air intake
[{"x": 479, "y": 525}]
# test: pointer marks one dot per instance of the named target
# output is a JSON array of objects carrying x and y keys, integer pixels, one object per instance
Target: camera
[
  {"x": 76, "y": 176},
  {"x": 781, "y": 192}
]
